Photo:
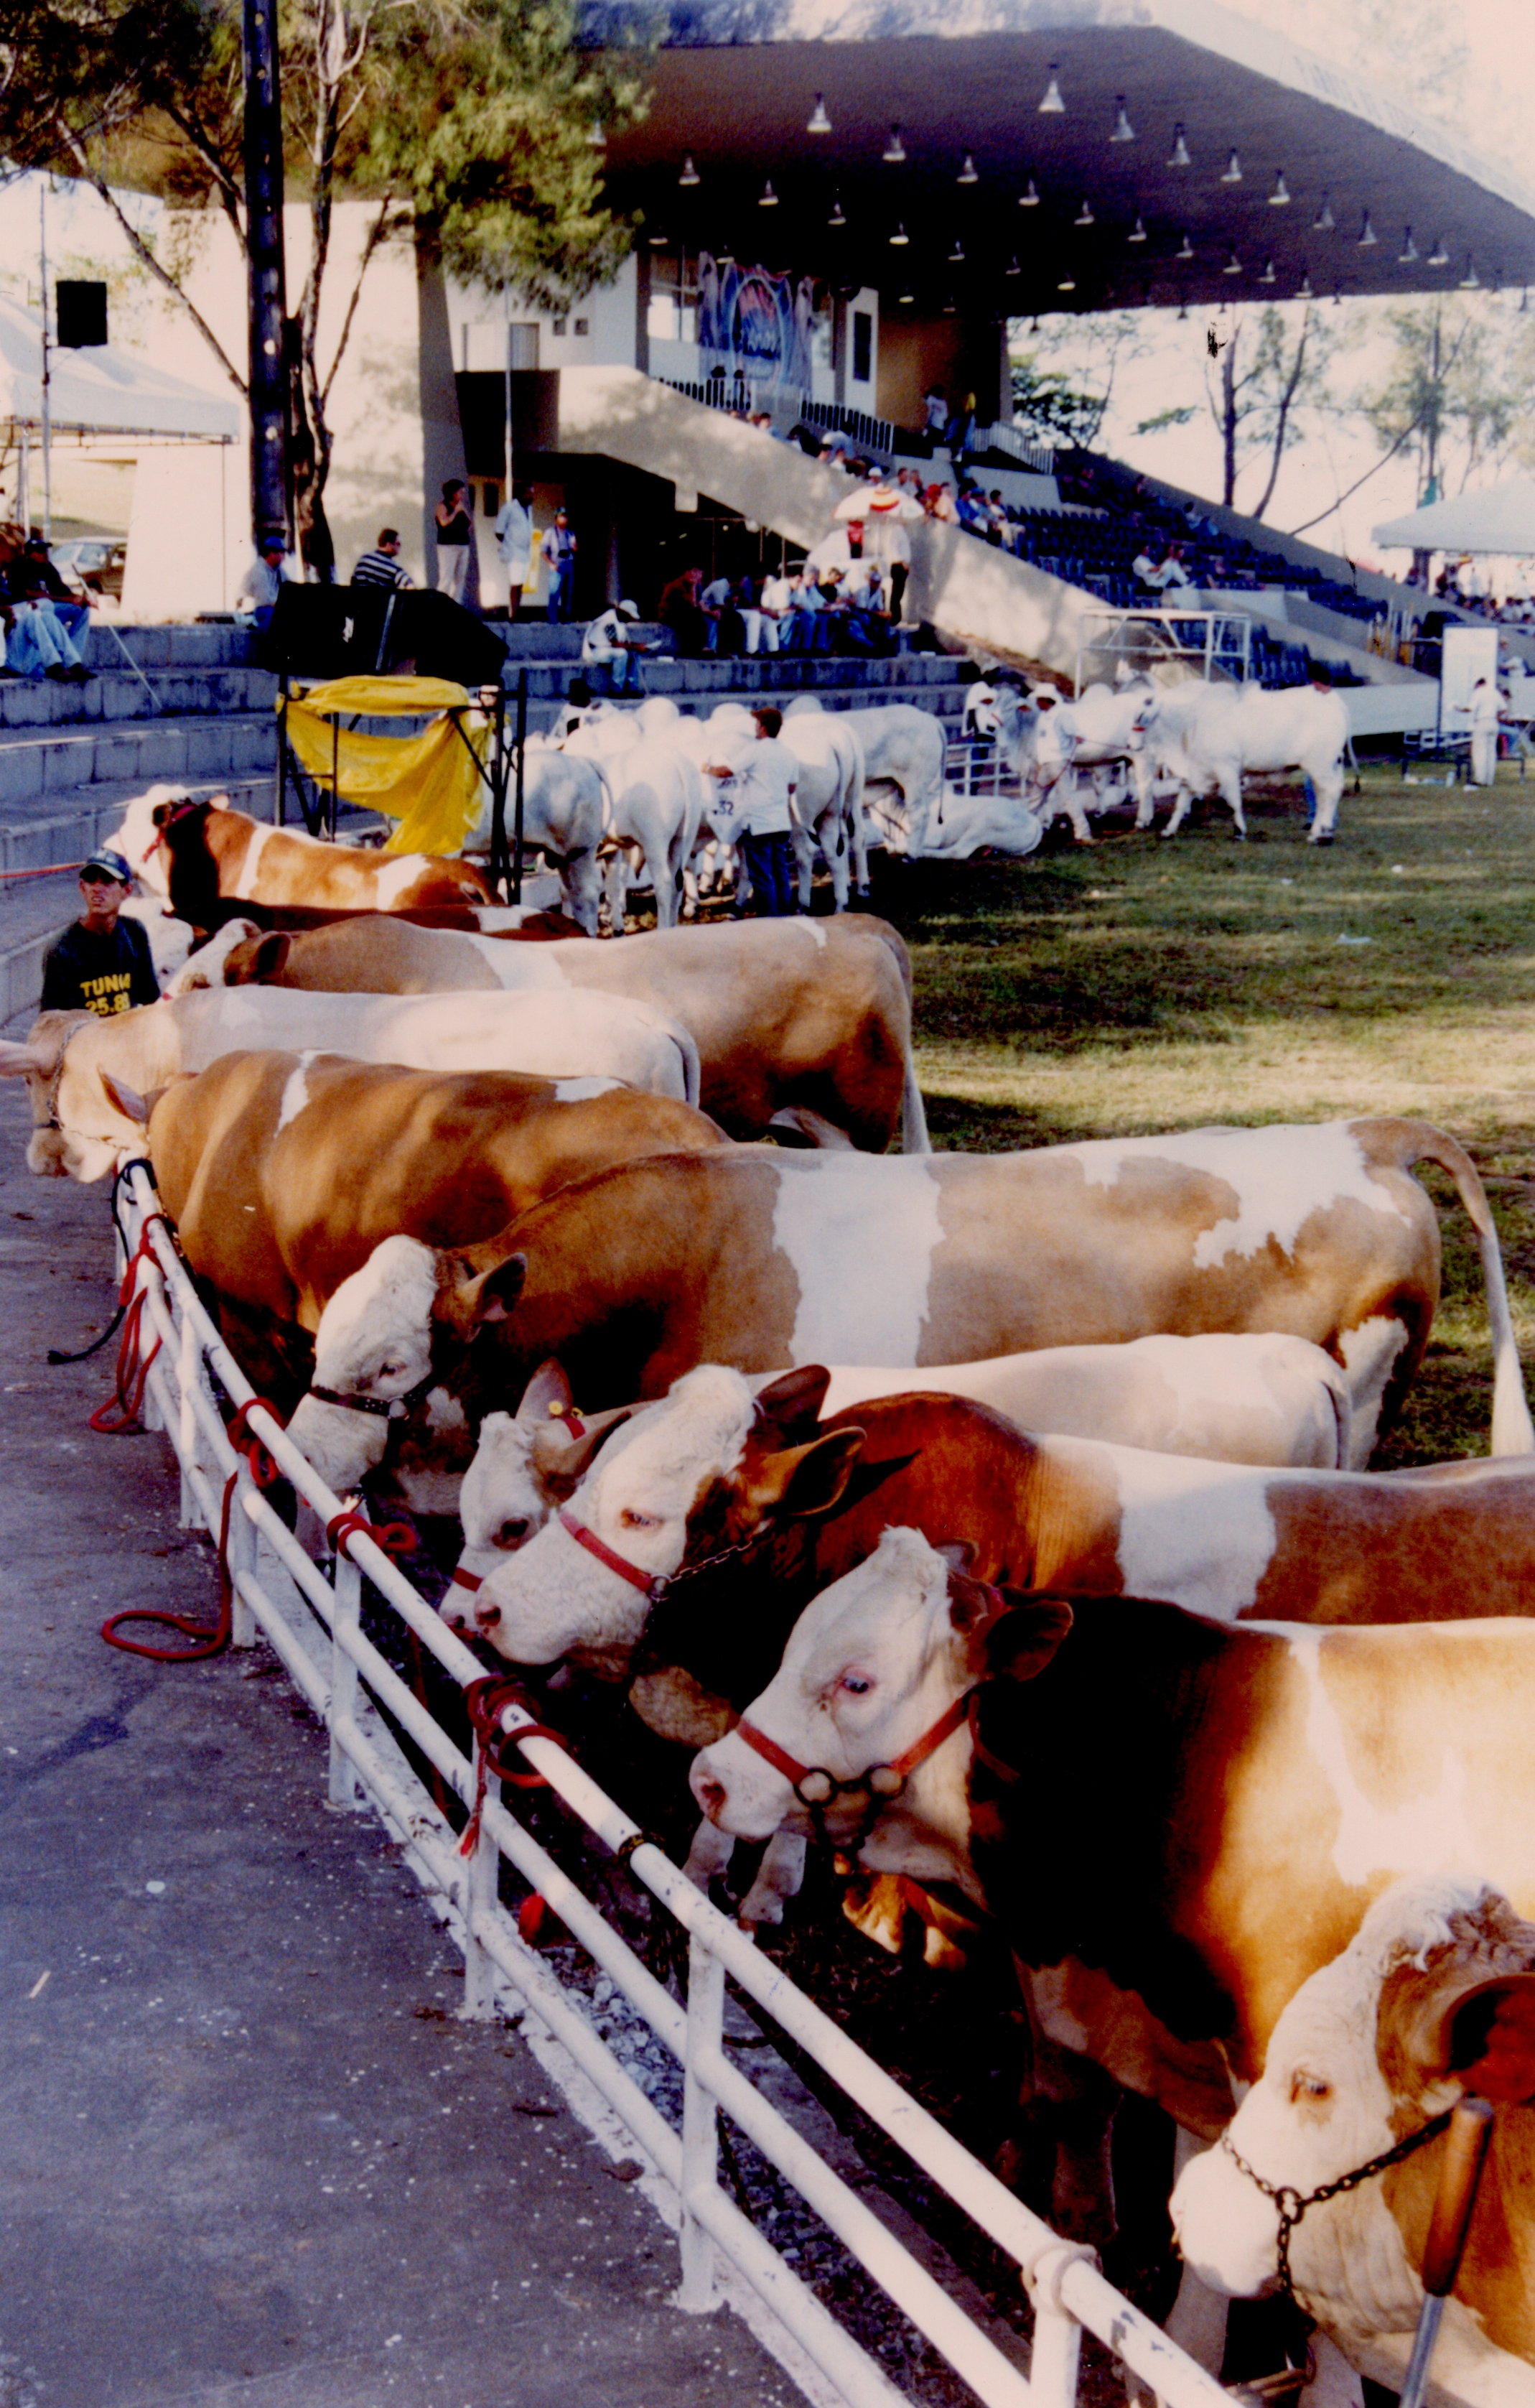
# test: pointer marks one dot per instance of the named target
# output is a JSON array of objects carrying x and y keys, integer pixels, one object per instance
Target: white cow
[
  {"x": 80, "y": 1132},
  {"x": 562, "y": 818},
  {"x": 1433, "y": 1998},
  {"x": 1206, "y": 735},
  {"x": 1110, "y": 725},
  {"x": 1256, "y": 1399},
  {"x": 171, "y": 940},
  {"x": 655, "y": 800}
]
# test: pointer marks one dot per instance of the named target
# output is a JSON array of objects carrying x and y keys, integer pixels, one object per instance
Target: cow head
[
  {"x": 873, "y": 1664},
  {"x": 526, "y": 1465},
  {"x": 705, "y": 1471},
  {"x": 381, "y": 1335},
  {"x": 53, "y": 1152},
  {"x": 237, "y": 940},
  {"x": 1434, "y": 1997}
]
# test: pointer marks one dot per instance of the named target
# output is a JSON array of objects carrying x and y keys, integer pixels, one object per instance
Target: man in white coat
[
  {"x": 1485, "y": 705},
  {"x": 514, "y": 543}
]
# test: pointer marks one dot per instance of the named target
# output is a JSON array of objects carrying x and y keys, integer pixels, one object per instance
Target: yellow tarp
[{"x": 430, "y": 784}]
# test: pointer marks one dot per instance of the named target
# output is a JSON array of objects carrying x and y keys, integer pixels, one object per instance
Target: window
[
  {"x": 560, "y": 325},
  {"x": 863, "y": 346},
  {"x": 583, "y": 326}
]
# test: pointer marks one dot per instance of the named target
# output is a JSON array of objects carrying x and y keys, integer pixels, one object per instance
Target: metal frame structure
[
  {"x": 1213, "y": 643},
  {"x": 311, "y": 1619}
]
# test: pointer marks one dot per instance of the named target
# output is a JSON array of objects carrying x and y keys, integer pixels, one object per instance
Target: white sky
[{"x": 1492, "y": 106}]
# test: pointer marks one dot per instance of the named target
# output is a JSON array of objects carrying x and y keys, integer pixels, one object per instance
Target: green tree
[
  {"x": 1063, "y": 385},
  {"x": 1261, "y": 372},
  {"x": 465, "y": 122}
]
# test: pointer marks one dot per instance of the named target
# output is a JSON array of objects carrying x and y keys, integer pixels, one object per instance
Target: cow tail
[
  {"x": 1512, "y": 1431},
  {"x": 914, "y": 1125}
]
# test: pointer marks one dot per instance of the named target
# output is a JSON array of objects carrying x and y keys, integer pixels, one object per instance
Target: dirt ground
[{"x": 247, "y": 2156}]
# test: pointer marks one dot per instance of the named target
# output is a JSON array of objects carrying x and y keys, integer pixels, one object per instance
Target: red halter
[
  {"x": 653, "y": 1585},
  {"x": 814, "y": 1785}
]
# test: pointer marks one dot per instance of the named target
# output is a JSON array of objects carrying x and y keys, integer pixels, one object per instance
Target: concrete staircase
[{"x": 186, "y": 706}]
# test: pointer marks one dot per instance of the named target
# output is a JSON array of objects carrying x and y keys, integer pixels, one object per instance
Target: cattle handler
[{"x": 100, "y": 964}]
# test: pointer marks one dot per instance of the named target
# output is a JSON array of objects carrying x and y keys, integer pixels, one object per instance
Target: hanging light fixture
[
  {"x": 1068, "y": 283},
  {"x": 1232, "y": 266},
  {"x": 1180, "y": 157},
  {"x": 957, "y": 256},
  {"x": 1409, "y": 251},
  {"x": 1268, "y": 276},
  {"x": 907, "y": 299},
  {"x": 1232, "y": 172},
  {"x": 949, "y": 307},
  {"x": 895, "y": 149},
  {"x": 1439, "y": 256},
  {"x": 967, "y": 174},
  {"x": 900, "y": 238},
  {"x": 767, "y": 198},
  {"x": 1138, "y": 232},
  {"x": 1013, "y": 268},
  {"x": 1368, "y": 237},
  {"x": 1084, "y": 216},
  {"x": 1186, "y": 251},
  {"x": 1471, "y": 281},
  {"x": 1052, "y": 104},
  {"x": 1183, "y": 307},
  {"x": 658, "y": 242},
  {"x": 1280, "y": 197},
  {"x": 819, "y": 122},
  {"x": 1123, "y": 130},
  {"x": 1028, "y": 198},
  {"x": 690, "y": 173},
  {"x": 836, "y": 217},
  {"x": 1324, "y": 222},
  {"x": 1303, "y": 290}
]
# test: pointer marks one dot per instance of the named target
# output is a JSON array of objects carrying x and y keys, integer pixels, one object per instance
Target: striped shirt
[{"x": 379, "y": 568}]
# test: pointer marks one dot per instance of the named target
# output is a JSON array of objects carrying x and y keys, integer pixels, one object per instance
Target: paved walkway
[{"x": 245, "y": 2155}]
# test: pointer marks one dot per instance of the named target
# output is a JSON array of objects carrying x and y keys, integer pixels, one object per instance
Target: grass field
[{"x": 1143, "y": 985}]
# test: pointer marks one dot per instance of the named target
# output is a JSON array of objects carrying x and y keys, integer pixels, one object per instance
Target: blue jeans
[
  {"x": 622, "y": 670},
  {"x": 770, "y": 866},
  {"x": 561, "y": 583}
]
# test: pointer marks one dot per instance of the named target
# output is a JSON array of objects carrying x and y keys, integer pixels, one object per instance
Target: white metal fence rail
[{"x": 312, "y": 1621}]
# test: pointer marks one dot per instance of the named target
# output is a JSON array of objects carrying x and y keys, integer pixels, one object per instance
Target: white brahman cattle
[
  {"x": 1206, "y": 735},
  {"x": 562, "y": 818}
]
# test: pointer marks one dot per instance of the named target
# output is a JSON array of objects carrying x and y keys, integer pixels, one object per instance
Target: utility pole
[{"x": 271, "y": 499}]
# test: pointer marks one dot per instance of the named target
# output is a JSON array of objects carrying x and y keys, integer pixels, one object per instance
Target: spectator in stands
[
  {"x": 834, "y": 448},
  {"x": 610, "y": 645},
  {"x": 960, "y": 433},
  {"x": 810, "y": 628},
  {"x": 867, "y": 627},
  {"x": 44, "y": 581},
  {"x": 381, "y": 567},
  {"x": 775, "y": 606},
  {"x": 974, "y": 515},
  {"x": 679, "y": 610},
  {"x": 718, "y": 604},
  {"x": 843, "y": 545},
  {"x": 935, "y": 415},
  {"x": 37, "y": 642},
  {"x": 263, "y": 581},
  {"x": 761, "y": 624},
  {"x": 764, "y": 781},
  {"x": 100, "y": 964},
  {"x": 940, "y": 504}
]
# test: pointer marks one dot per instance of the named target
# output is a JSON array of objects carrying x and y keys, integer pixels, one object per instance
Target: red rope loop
[
  {"x": 242, "y": 1438},
  {"x": 205, "y": 1642},
  {"x": 392, "y": 1538},
  {"x": 485, "y": 1702}
]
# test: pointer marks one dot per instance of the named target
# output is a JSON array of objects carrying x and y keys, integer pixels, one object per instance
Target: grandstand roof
[{"x": 963, "y": 81}]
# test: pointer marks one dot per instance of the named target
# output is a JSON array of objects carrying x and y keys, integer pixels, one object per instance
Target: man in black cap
[{"x": 101, "y": 964}]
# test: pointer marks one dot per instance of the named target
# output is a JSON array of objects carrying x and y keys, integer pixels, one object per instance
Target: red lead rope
[
  {"x": 204, "y": 1642},
  {"x": 120, "y": 1415},
  {"x": 485, "y": 1702}
]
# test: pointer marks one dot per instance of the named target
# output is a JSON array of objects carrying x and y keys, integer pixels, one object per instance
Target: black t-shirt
[{"x": 86, "y": 971}]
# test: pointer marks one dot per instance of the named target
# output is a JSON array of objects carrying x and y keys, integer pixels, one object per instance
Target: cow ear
[
  {"x": 266, "y": 960},
  {"x": 798, "y": 1482},
  {"x": 21, "y": 1061},
  {"x": 563, "y": 1462},
  {"x": 126, "y": 1100},
  {"x": 494, "y": 1296},
  {"x": 1027, "y": 1635},
  {"x": 957, "y": 1553},
  {"x": 794, "y": 1398},
  {"x": 546, "y": 1392},
  {"x": 1488, "y": 2039}
]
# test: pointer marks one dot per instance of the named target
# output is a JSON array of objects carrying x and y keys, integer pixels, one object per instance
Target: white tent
[
  {"x": 102, "y": 391},
  {"x": 1501, "y": 520}
]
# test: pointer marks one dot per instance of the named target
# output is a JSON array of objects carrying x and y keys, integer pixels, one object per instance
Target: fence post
[
  {"x": 241, "y": 1559},
  {"x": 481, "y": 1887},
  {"x": 1056, "y": 2351},
  {"x": 700, "y": 2135},
  {"x": 345, "y": 1792},
  {"x": 189, "y": 1373}
]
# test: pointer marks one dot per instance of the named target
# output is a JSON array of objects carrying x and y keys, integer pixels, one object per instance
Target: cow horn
[{"x": 20, "y": 1061}]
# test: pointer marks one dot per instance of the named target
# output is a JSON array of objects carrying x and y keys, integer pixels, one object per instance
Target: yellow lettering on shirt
[{"x": 107, "y": 995}]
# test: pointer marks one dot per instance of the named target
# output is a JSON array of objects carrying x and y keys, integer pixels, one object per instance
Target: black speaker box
[{"x": 331, "y": 631}]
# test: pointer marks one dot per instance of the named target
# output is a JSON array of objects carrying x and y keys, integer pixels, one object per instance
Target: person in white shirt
[
  {"x": 609, "y": 645},
  {"x": 263, "y": 581},
  {"x": 760, "y": 624},
  {"x": 1485, "y": 705},
  {"x": 514, "y": 543},
  {"x": 765, "y": 777},
  {"x": 713, "y": 601},
  {"x": 1055, "y": 747}
]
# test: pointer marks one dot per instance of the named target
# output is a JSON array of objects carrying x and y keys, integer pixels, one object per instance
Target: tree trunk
[{"x": 1229, "y": 420}]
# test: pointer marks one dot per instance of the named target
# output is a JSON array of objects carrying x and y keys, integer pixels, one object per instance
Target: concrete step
[
  {"x": 217, "y": 643},
  {"x": 64, "y": 827},
  {"x": 115, "y": 693},
  {"x": 45, "y": 761}
]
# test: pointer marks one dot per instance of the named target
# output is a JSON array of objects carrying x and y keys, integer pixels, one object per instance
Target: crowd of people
[{"x": 42, "y": 625}]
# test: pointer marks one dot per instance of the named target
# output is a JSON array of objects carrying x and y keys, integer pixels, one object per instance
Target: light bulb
[
  {"x": 1138, "y": 232},
  {"x": 1367, "y": 234},
  {"x": 1084, "y": 216},
  {"x": 836, "y": 217},
  {"x": 1123, "y": 130},
  {"x": 1409, "y": 251},
  {"x": 1052, "y": 104},
  {"x": 1180, "y": 157},
  {"x": 895, "y": 149},
  {"x": 769, "y": 198},
  {"x": 1231, "y": 174},
  {"x": 1028, "y": 198},
  {"x": 1324, "y": 220},
  {"x": 819, "y": 122},
  {"x": 690, "y": 173},
  {"x": 1280, "y": 197},
  {"x": 898, "y": 238},
  {"x": 1186, "y": 249},
  {"x": 1439, "y": 256},
  {"x": 1232, "y": 266},
  {"x": 967, "y": 174}
]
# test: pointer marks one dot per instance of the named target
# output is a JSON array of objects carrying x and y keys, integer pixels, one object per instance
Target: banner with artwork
[{"x": 753, "y": 323}]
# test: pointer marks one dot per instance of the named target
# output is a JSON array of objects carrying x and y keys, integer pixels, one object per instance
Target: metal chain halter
[{"x": 1292, "y": 2204}]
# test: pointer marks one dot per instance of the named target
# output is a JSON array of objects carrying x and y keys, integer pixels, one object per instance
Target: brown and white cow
[
  {"x": 1432, "y": 2000},
  {"x": 1176, "y": 1824},
  {"x": 635, "y": 1275},
  {"x": 805, "y": 1013},
  {"x": 199, "y": 853},
  {"x": 284, "y": 1172},
  {"x": 81, "y": 1132}
]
